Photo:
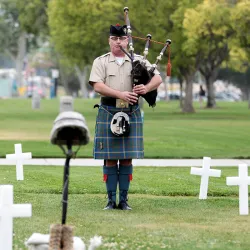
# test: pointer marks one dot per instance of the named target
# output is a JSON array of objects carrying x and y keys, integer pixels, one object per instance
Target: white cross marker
[
  {"x": 8, "y": 211},
  {"x": 205, "y": 172},
  {"x": 242, "y": 181},
  {"x": 19, "y": 157}
]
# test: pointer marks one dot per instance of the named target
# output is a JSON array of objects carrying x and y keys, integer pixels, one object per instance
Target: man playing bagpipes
[{"x": 119, "y": 131}]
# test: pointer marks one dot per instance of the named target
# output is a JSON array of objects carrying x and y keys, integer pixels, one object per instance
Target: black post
[
  {"x": 66, "y": 183},
  {"x": 56, "y": 86}
]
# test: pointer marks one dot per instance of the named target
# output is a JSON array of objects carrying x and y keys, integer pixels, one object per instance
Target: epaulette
[{"x": 104, "y": 55}]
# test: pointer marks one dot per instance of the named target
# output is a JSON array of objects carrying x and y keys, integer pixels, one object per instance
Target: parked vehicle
[{"x": 172, "y": 95}]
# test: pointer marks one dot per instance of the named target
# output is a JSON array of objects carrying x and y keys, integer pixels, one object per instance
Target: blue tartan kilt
[{"x": 107, "y": 146}]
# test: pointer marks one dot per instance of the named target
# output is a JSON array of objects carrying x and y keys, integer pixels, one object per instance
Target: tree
[
  {"x": 241, "y": 24},
  {"x": 33, "y": 16},
  {"x": 80, "y": 31},
  {"x": 13, "y": 39},
  {"x": 208, "y": 29},
  {"x": 17, "y": 20},
  {"x": 184, "y": 62}
]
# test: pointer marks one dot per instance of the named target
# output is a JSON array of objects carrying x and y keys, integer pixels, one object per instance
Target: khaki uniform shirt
[{"x": 107, "y": 70}]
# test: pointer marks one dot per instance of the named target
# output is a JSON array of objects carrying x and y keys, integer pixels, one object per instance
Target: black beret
[{"x": 118, "y": 30}]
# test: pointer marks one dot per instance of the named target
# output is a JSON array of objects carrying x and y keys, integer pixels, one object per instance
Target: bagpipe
[{"x": 140, "y": 74}]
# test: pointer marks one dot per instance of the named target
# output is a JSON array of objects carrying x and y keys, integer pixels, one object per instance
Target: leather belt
[
  {"x": 118, "y": 103},
  {"x": 108, "y": 101}
]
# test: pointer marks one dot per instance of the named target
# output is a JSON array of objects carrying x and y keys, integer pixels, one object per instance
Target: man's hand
[
  {"x": 130, "y": 97},
  {"x": 140, "y": 89}
]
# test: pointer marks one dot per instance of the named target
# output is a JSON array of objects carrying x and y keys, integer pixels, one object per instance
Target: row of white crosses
[
  {"x": 243, "y": 180},
  {"x": 8, "y": 210}
]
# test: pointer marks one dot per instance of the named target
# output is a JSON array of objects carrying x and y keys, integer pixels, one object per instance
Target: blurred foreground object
[{"x": 69, "y": 130}]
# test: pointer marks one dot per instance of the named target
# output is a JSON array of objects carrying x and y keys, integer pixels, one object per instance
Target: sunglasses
[{"x": 121, "y": 38}]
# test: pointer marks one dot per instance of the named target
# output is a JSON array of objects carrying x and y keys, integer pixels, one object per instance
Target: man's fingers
[
  {"x": 139, "y": 87},
  {"x": 133, "y": 94},
  {"x": 133, "y": 98}
]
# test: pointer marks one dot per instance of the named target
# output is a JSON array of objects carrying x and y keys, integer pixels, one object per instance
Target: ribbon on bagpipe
[{"x": 140, "y": 74}]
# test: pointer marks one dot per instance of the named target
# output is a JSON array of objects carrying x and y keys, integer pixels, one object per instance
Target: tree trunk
[
  {"x": 247, "y": 84},
  {"x": 166, "y": 88},
  {"x": 20, "y": 58},
  {"x": 64, "y": 80},
  {"x": 181, "y": 92},
  {"x": 249, "y": 97},
  {"x": 210, "y": 78},
  {"x": 82, "y": 79},
  {"x": 188, "y": 100},
  {"x": 210, "y": 92}
]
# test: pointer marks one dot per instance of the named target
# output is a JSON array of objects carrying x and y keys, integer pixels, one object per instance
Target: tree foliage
[
  {"x": 80, "y": 29},
  {"x": 33, "y": 16},
  {"x": 9, "y": 28},
  {"x": 208, "y": 29},
  {"x": 184, "y": 63},
  {"x": 21, "y": 16},
  {"x": 183, "y": 60},
  {"x": 241, "y": 24}
]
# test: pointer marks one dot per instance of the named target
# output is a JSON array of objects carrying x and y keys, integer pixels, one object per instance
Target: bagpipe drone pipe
[{"x": 140, "y": 73}]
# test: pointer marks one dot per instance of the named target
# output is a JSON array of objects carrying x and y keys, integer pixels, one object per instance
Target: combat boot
[
  {"x": 111, "y": 203},
  {"x": 125, "y": 176},
  {"x": 110, "y": 176},
  {"x": 123, "y": 204}
]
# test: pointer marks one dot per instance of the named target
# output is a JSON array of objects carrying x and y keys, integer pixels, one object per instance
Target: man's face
[{"x": 115, "y": 42}]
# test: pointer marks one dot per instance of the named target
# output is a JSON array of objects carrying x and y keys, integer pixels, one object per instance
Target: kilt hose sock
[
  {"x": 124, "y": 178},
  {"x": 110, "y": 176}
]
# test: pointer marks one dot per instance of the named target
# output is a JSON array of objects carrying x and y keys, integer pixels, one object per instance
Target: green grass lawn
[
  {"x": 219, "y": 133},
  {"x": 167, "y": 213}
]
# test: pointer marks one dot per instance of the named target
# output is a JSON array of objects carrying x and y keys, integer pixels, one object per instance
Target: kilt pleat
[{"x": 109, "y": 146}]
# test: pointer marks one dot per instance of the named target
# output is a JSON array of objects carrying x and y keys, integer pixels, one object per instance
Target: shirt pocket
[
  {"x": 112, "y": 79},
  {"x": 128, "y": 81}
]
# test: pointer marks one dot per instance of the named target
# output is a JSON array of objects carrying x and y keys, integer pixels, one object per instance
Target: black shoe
[
  {"x": 111, "y": 205},
  {"x": 123, "y": 205}
]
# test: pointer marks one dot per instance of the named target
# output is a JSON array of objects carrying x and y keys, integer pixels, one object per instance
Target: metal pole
[{"x": 66, "y": 183}]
